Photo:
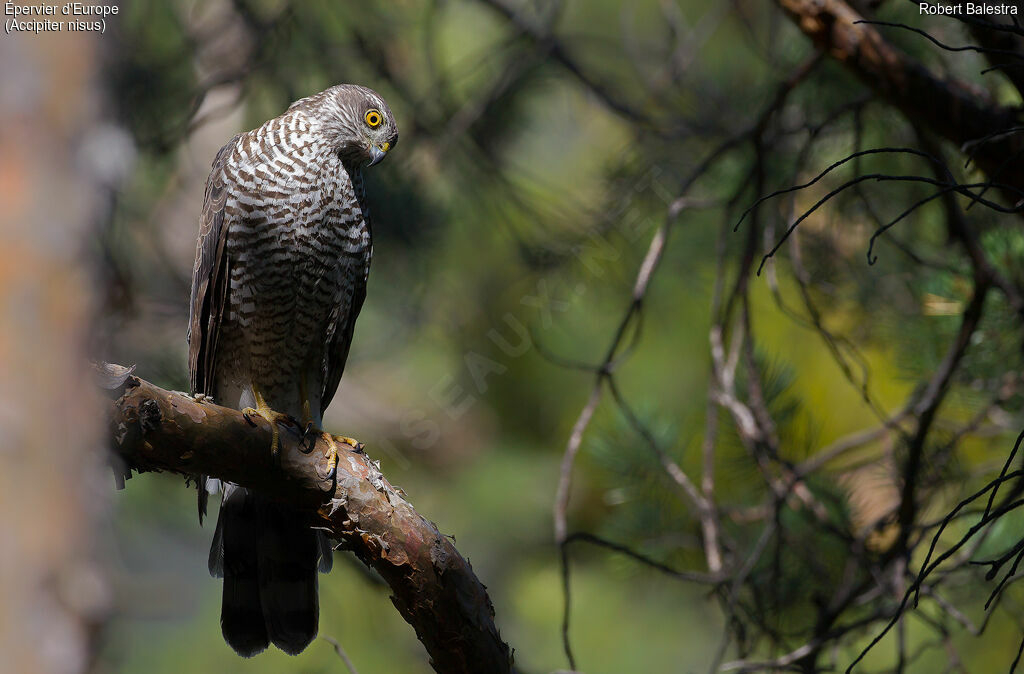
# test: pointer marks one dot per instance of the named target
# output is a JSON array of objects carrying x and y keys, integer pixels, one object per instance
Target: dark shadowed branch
[{"x": 958, "y": 111}]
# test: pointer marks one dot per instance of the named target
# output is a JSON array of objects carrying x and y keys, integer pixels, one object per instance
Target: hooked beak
[{"x": 376, "y": 154}]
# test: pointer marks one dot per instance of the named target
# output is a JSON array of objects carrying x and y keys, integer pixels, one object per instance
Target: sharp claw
[
  {"x": 247, "y": 412},
  {"x": 273, "y": 418},
  {"x": 332, "y": 461},
  {"x": 303, "y": 446},
  {"x": 332, "y": 476}
]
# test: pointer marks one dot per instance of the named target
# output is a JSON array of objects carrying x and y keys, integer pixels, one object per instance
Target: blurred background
[{"x": 547, "y": 150}]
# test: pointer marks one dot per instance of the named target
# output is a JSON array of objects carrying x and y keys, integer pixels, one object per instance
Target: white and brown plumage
[{"x": 280, "y": 276}]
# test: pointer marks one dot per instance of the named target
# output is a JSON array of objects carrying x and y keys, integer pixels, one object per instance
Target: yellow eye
[{"x": 374, "y": 118}]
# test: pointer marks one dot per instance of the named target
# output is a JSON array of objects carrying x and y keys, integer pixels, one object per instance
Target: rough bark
[
  {"x": 433, "y": 586},
  {"x": 957, "y": 111}
]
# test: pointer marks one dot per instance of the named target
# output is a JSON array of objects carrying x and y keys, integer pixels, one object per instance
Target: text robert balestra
[{"x": 965, "y": 8}]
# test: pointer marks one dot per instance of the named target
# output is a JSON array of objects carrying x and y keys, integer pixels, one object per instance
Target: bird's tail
[{"x": 269, "y": 560}]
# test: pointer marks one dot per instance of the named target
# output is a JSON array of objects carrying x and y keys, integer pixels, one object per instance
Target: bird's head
[{"x": 358, "y": 122}]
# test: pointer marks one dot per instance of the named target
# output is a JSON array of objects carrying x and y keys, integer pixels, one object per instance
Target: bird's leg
[
  {"x": 332, "y": 457},
  {"x": 262, "y": 409},
  {"x": 332, "y": 445},
  {"x": 307, "y": 418}
]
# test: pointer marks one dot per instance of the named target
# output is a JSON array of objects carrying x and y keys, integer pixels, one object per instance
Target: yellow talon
[
  {"x": 332, "y": 451},
  {"x": 332, "y": 440},
  {"x": 332, "y": 455},
  {"x": 262, "y": 409},
  {"x": 351, "y": 442}
]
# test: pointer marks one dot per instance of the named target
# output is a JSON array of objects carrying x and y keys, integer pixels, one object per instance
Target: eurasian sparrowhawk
[{"x": 280, "y": 276}]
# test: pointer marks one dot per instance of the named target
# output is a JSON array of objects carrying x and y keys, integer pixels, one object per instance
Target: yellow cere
[{"x": 386, "y": 146}]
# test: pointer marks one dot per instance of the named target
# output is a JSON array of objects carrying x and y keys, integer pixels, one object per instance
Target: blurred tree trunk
[{"x": 52, "y": 478}]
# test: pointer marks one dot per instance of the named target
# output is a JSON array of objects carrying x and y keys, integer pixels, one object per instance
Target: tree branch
[
  {"x": 433, "y": 586},
  {"x": 957, "y": 111},
  {"x": 1001, "y": 49}
]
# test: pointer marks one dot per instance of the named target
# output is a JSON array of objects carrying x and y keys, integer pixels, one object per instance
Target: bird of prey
[{"x": 280, "y": 275}]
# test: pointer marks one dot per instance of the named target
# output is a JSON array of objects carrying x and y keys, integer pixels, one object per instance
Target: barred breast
[{"x": 298, "y": 245}]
